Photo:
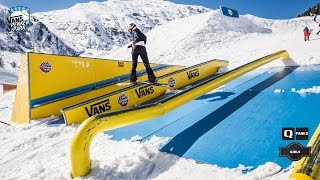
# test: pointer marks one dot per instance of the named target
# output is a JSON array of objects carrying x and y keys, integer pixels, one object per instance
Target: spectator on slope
[
  {"x": 315, "y": 20},
  {"x": 319, "y": 30},
  {"x": 306, "y": 33},
  {"x": 138, "y": 49}
]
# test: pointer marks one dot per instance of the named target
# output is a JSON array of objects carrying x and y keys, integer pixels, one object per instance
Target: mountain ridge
[
  {"x": 87, "y": 29},
  {"x": 102, "y": 26}
]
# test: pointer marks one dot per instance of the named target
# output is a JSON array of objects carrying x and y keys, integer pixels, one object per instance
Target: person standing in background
[
  {"x": 306, "y": 33},
  {"x": 319, "y": 30}
]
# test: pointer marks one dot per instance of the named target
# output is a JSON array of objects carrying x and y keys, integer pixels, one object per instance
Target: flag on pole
[{"x": 229, "y": 12}]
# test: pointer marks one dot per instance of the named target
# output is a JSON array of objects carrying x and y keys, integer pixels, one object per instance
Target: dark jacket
[{"x": 137, "y": 36}]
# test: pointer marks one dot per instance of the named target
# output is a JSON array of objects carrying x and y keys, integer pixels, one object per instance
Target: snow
[
  {"x": 210, "y": 35},
  {"x": 6, "y": 105},
  {"x": 36, "y": 151},
  {"x": 8, "y": 77},
  {"x": 9, "y": 58},
  {"x": 98, "y": 27},
  {"x": 87, "y": 29},
  {"x": 136, "y": 138},
  {"x": 278, "y": 91},
  {"x": 37, "y": 38},
  {"x": 312, "y": 90}
]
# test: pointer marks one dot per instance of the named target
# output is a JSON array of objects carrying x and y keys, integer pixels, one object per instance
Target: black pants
[{"x": 142, "y": 52}]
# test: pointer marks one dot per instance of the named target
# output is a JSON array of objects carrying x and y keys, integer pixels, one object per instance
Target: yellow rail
[
  {"x": 135, "y": 94},
  {"x": 308, "y": 168},
  {"x": 81, "y": 141}
]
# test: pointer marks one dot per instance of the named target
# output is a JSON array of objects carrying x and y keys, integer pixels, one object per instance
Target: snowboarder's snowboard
[
  {"x": 144, "y": 82},
  {"x": 125, "y": 84},
  {"x": 153, "y": 84}
]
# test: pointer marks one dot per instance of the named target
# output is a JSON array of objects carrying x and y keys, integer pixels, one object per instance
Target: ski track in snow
[{"x": 36, "y": 151}]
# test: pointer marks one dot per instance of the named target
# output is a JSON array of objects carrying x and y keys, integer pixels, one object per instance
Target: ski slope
[
  {"x": 211, "y": 35},
  {"x": 36, "y": 151}
]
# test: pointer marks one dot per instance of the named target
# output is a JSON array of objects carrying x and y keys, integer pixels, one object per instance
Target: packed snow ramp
[{"x": 81, "y": 141}]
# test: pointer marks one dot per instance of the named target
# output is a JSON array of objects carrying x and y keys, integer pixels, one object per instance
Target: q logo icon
[{"x": 287, "y": 133}]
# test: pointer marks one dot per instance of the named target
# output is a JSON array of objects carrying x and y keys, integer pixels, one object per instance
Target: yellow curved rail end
[
  {"x": 308, "y": 168},
  {"x": 300, "y": 176},
  {"x": 80, "y": 143}
]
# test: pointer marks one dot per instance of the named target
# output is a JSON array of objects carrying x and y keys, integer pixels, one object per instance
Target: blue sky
[{"x": 274, "y": 9}]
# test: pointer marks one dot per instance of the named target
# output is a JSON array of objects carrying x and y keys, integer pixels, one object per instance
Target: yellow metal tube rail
[
  {"x": 80, "y": 144},
  {"x": 308, "y": 168}
]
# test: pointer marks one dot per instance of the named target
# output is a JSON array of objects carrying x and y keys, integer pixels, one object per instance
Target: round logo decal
[
  {"x": 45, "y": 67},
  {"x": 123, "y": 100},
  {"x": 171, "y": 82}
]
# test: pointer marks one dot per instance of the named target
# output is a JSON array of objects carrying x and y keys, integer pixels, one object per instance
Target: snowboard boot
[{"x": 153, "y": 81}]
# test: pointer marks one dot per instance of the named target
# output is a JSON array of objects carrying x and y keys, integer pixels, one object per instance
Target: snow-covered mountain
[
  {"x": 86, "y": 29},
  {"x": 36, "y": 38},
  {"x": 98, "y": 27}
]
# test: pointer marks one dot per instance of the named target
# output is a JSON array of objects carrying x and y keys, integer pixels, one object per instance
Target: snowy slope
[
  {"x": 195, "y": 39},
  {"x": 8, "y": 77},
  {"x": 3, "y": 20},
  {"x": 101, "y": 26},
  {"x": 36, "y": 151}
]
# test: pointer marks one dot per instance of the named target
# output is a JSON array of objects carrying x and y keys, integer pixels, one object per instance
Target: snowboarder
[
  {"x": 138, "y": 49},
  {"x": 306, "y": 33}
]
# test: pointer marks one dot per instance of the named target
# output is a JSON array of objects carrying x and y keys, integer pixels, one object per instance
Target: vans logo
[
  {"x": 193, "y": 73},
  {"x": 171, "y": 82},
  {"x": 45, "y": 67},
  {"x": 123, "y": 100},
  {"x": 19, "y": 18},
  {"x": 144, "y": 91},
  {"x": 98, "y": 108},
  {"x": 120, "y": 64}
]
